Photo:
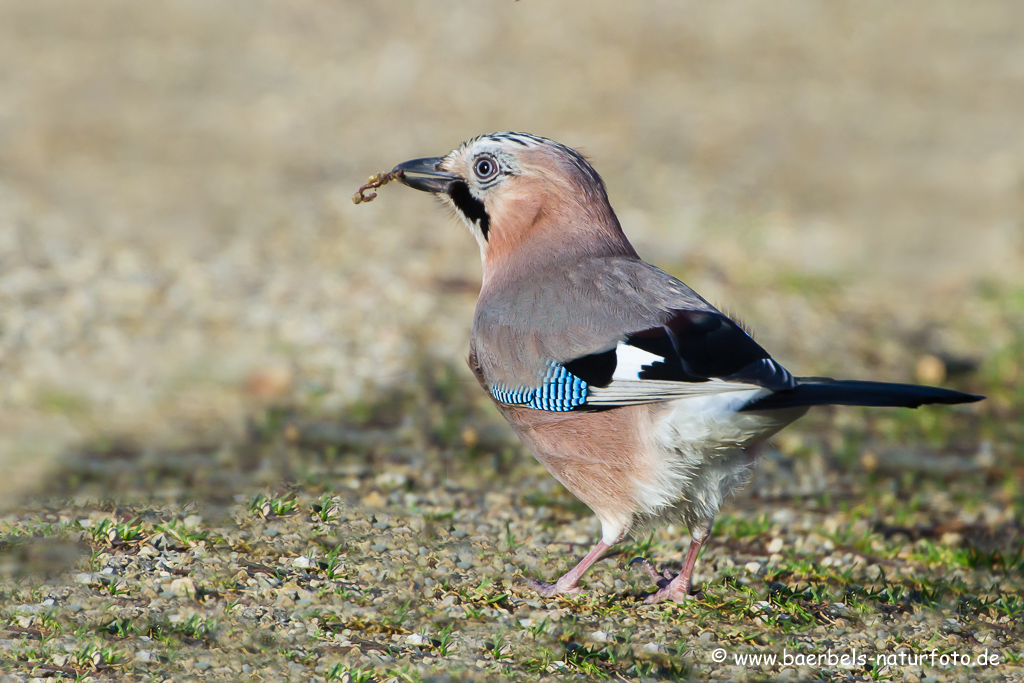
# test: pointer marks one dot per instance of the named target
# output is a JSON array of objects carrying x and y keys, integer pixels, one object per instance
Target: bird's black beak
[{"x": 423, "y": 174}]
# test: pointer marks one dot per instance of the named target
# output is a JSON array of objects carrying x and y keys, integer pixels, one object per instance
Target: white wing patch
[
  {"x": 630, "y": 361},
  {"x": 627, "y": 388}
]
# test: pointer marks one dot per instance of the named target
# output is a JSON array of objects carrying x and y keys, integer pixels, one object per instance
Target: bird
[{"x": 640, "y": 397}]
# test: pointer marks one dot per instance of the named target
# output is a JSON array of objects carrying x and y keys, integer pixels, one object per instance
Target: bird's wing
[
  {"x": 691, "y": 353},
  {"x": 617, "y": 331}
]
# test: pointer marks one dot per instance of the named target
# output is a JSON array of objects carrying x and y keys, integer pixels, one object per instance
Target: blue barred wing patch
[{"x": 560, "y": 391}]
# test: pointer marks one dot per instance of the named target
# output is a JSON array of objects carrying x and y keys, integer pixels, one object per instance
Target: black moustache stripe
[{"x": 470, "y": 207}]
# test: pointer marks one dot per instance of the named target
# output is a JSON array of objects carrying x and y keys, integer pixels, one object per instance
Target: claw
[
  {"x": 550, "y": 590},
  {"x": 648, "y": 566},
  {"x": 671, "y": 588},
  {"x": 668, "y": 593}
]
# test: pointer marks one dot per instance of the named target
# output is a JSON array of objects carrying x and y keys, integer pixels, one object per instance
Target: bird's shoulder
[{"x": 611, "y": 292}]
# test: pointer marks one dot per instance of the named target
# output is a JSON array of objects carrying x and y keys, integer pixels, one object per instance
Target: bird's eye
[{"x": 485, "y": 168}]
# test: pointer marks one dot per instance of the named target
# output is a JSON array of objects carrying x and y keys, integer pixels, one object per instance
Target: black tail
[{"x": 816, "y": 391}]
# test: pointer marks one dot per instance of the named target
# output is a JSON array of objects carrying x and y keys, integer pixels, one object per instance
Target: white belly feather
[{"x": 699, "y": 442}]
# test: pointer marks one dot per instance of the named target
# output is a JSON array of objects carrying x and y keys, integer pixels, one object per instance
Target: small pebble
[
  {"x": 182, "y": 588},
  {"x": 417, "y": 640}
]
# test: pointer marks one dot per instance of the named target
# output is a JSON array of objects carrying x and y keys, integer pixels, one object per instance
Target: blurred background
[{"x": 178, "y": 248}]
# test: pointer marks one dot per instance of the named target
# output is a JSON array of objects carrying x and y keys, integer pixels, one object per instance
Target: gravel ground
[
  {"x": 397, "y": 551},
  {"x": 237, "y": 436}
]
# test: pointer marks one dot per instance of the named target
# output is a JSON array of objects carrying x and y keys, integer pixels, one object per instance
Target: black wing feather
[
  {"x": 595, "y": 369},
  {"x": 702, "y": 345}
]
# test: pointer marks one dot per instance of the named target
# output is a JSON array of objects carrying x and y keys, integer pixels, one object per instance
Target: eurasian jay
[{"x": 635, "y": 393}]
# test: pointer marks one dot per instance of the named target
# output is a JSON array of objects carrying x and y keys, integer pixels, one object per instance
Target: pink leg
[
  {"x": 677, "y": 589},
  {"x": 569, "y": 584}
]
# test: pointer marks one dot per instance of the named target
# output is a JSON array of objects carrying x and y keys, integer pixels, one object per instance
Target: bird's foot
[
  {"x": 670, "y": 588},
  {"x": 678, "y": 592},
  {"x": 568, "y": 584},
  {"x": 660, "y": 580},
  {"x": 550, "y": 590}
]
